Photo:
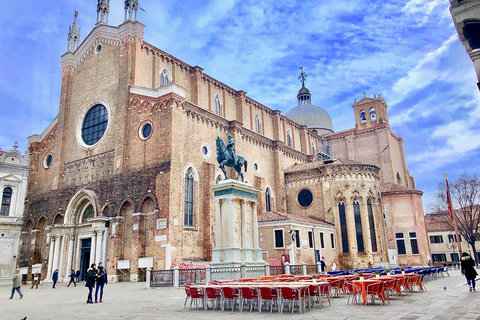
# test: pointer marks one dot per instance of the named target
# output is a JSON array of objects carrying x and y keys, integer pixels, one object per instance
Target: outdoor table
[{"x": 364, "y": 283}]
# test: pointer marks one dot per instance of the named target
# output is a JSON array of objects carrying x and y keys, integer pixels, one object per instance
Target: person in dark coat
[
  {"x": 90, "y": 281},
  {"x": 468, "y": 269},
  {"x": 77, "y": 275},
  {"x": 72, "y": 279},
  {"x": 101, "y": 281},
  {"x": 55, "y": 278},
  {"x": 323, "y": 265}
]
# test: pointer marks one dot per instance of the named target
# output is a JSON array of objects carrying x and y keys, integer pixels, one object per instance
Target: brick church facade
[{"x": 123, "y": 173}]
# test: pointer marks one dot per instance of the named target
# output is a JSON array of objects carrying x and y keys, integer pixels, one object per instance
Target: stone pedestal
[{"x": 236, "y": 225}]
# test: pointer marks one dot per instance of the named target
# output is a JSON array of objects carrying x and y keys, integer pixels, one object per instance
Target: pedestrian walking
[
  {"x": 322, "y": 264},
  {"x": 468, "y": 269},
  {"x": 101, "y": 281},
  {"x": 17, "y": 283},
  {"x": 334, "y": 266},
  {"x": 77, "y": 275},
  {"x": 90, "y": 281},
  {"x": 72, "y": 279},
  {"x": 55, "y": 278},
  {"x": 36, "y": 280}
]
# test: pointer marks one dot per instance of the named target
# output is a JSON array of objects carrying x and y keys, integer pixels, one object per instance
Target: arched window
[
  {"x": 218, "y": 105},
  {"x": 257, "y": 124},
  {"x": 373, "y": 114},
  {"x": 268, "y": 200},
  {"x": 188, "y": 222},
  {"x": 6, "y": 199},
  {"x": 58, "y": 219},
  {"x": 343, "y": 225},
  {"x": 314, "y": 150},
  {"x": 289, "y": 138},
  {"x": 363, "y": 116},
  {"x": 371, "y": 223},
  {"x": 164, "y": 79},
  {"x": 88, "y": 213},
  {"x": 358, "y": 226},
  {"x": 399, "y": 179}
]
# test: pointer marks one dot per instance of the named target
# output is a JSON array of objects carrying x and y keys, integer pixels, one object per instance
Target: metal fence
[
  {"x": 161, "y": 278},
  {"x": 196, "y": 276}
]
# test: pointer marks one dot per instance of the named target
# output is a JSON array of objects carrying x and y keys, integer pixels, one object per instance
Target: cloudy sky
[{"x": 407, "y": 50}]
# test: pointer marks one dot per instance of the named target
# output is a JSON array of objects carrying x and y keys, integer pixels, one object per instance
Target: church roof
[
  {"x": 312, "y": 116},
  {"x": 437, "y": 222},
  {"x": 319, "y": 164},
  {"x": 391, "y": 187},
  {"x": 276, "y": 216}
]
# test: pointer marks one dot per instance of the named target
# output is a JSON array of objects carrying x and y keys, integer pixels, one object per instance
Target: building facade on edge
[{"x": 133, "y": 157}]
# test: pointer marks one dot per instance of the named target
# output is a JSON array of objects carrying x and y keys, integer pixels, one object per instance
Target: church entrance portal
[{"x": 85, "y": 257}]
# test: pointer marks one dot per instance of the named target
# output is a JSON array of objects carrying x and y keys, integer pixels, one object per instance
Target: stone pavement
[{"x": 133, "y": 301}]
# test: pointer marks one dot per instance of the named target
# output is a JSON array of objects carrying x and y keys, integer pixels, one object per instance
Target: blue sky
[{"x": 407, "y": 50}]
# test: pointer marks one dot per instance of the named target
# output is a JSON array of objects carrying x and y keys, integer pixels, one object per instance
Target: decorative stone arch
[
  {"x": 106, "y": 210},
  {"x": 29, "y": 225},
  {"x": 363, "y": 116},
  {"x": 40, "y": 217},
  {"x": 58, "y": 219},
  {"x": 257, "y": 125},
  {"x": 122, "y": 205},
  {"x": 195, "y": 171},
  {"x": 148, "y": 204},
  {"x": 373, "y": 114},
  {"x": 78, "y": 203},
  {"x": 289, "y": 139},
  {"x": 217, "y": 104},
  {"x": 165, "y": 76}
]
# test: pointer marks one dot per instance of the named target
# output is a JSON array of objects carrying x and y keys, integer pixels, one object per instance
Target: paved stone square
[{"x": 133, "y": 301}]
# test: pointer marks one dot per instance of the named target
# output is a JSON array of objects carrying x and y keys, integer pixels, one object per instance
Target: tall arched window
[
  {"x": 88, "y": 213},
  {"x": 363, "y": 116},
  {"x": 373, "y": 114},
  {"x": 399, "y": 179},
  {"x": 343, "y": 225},
  {"x": 6, "y": 199},
  {"x": 188, "y": 222},
  {"x": 257, "y": 124},
  {"x": 218, "y": 105},
  {"x": 314, "y": 150},
  {"x": 268, "y": 200},
  {"x": 289, "y": 138},
  {"x": 164, "y": 79},
  {"x": 371, "y": 223},
  {"x": 358, "y": 226}
]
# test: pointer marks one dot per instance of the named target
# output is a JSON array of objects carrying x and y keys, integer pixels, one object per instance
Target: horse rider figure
[{"x": 230, "y": 149}]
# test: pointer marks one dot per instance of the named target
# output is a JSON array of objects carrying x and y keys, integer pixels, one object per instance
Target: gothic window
[
  {"x": 373, "y": 114},
  {"x": 268, "y": 200},
  {"x": 289, "y": 138},
  {"x": 314, "y": 131},
  {"x": 372, "y": 226},
  {"x": 363, "y": 116},
  {"x": 399, "y": 179},
  {"x": 343, "y": 225},
  {"x": 257, "y": 124},
  {"x": 218, "y": 105},
  {"x": 188, "y": 222},
  {"x": 6, "y": 199},
  {"x": 358, "y": 226},
  {"x": 314, "y": 150},
  {"x": 94, "y": 124},
  {"x": 58, "y": 219},
  {"x": 164, "y": 78},
  {"x": 88, "y": 213}
]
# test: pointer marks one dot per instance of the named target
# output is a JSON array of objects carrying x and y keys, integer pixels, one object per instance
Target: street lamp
[{"x": 452, "y": 246}]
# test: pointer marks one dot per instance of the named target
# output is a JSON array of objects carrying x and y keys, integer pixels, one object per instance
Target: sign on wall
[
  {"x": 123, "y": 264},
  {"x": 161, "y": 224},
  {"x": 145, "y": 262}
]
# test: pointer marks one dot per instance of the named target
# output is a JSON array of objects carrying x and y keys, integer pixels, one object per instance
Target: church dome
[{"x": 312, "y": 116}]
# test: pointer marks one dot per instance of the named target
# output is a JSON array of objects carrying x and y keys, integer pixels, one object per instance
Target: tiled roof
[
  {"x": 319, "y": 164},
  {"x": 437, "y": 222},
  {"x": 275, "y": 216}
]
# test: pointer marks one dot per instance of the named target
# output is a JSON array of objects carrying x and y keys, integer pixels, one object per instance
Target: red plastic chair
[
  {"x": 250, "y": 295},
  {"x": 187, "y": 292},
  {"x": 230, "y": 294},
  {"x": 314, "y": 293},
  {"x": 214, "y": 295},
  {"x": 268, "y": 294},
  {"x": 196, "y": 295},
  {"x": 353, "y": 291},
  {"x": 325, "y": 293},
  {"x": 290, "y": 295},
  {"x": 376, "y": 289}
]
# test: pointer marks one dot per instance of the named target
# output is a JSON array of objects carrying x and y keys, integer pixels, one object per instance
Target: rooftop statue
[{"x": 226, "y": 156}]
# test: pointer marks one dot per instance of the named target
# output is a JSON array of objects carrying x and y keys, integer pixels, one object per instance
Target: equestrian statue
[{"x": 226, "y": 156}]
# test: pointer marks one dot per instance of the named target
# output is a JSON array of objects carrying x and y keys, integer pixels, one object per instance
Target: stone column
[
  {"x": 255, "y": 225},
  {"x": 244, "y": 223},
  {"x": 231, "y": 220},
  {"x": 56, "y": 254},
  {"x": 218, "y": 224},
  {"x": 50, "y": 258},
  {"x": 69, "y": 255},
  {"x": 105, "y": 247},
  {"x": 99, "y": 245},
  {"x": 92, "y": 248}
]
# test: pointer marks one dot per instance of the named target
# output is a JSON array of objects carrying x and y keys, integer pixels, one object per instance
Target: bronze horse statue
[{"x": 224, "y": 158}]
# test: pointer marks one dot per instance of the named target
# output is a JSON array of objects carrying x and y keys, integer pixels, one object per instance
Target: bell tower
[
  {"x": 73, "y": 39},
  {"x": 131, "y": 8},
  {"x": 370, "y": 112},
  {"x": 103, "y": 9}
]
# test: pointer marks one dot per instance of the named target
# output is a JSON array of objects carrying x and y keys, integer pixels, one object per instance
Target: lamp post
[{"x": 452, "y": 246}]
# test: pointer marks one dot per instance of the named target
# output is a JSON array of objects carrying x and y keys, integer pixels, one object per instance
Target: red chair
[
  {"x": 391, "y": 288},
  {"x": 196, "y": 295},
  {"x": 336, "y": 286},
  {"x": 353, "y": 291},
  {"x": 376, "y": 289},
  {"x": 314, "y": 292},
  {"x": 187, "y": 292},
  {"x": 214, "y": 295},
  {"x": 230, "y": 294},
  {"x": 268, "y": 294},
  {"x": 290, "y": 295},
  {"x": 250, "y": 295},
  {"x": 416, "y": 282}
]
